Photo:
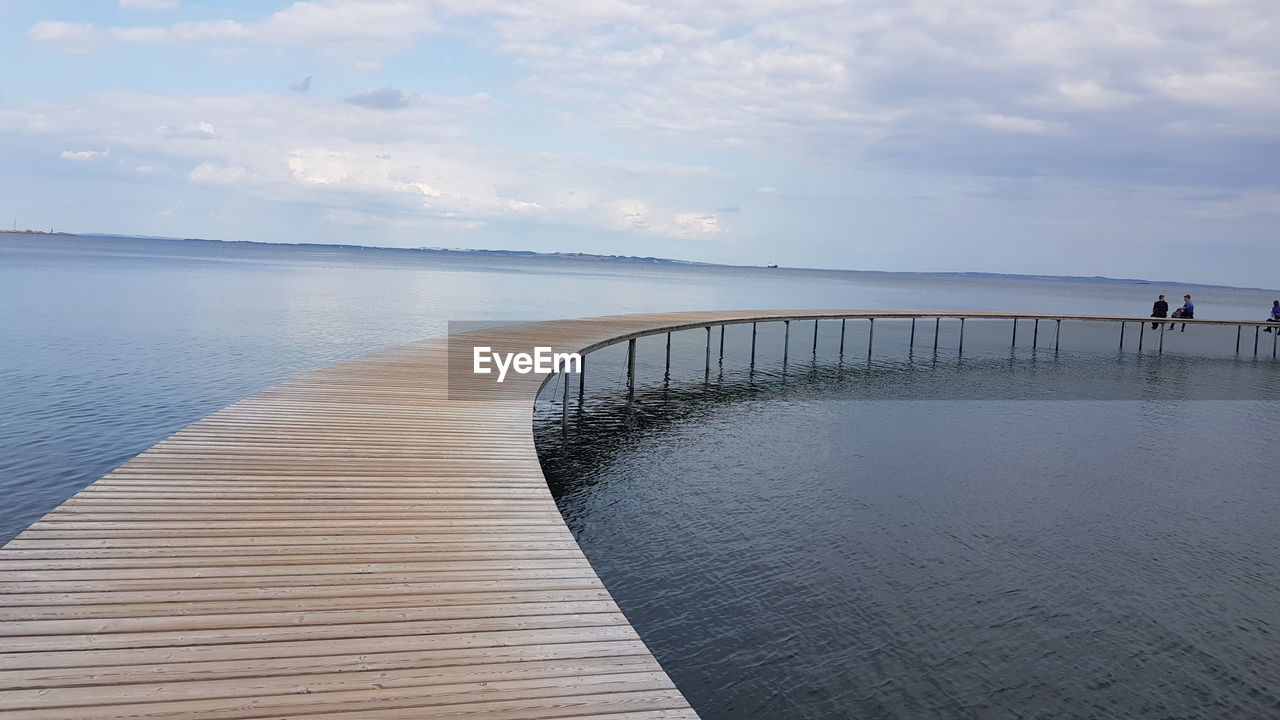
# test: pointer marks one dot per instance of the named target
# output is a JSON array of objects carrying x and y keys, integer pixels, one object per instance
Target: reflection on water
[{"x": 800, "y": 546}]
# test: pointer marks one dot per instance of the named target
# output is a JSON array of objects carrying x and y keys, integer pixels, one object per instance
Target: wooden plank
[
  {"x": 352, "y": 543},
  {"x": 349, "y": 542}
]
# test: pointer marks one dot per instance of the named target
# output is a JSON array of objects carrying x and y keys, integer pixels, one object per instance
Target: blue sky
[{"x": 1091, "y": 137}]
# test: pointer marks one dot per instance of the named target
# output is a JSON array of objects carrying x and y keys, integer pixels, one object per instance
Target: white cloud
[
  {"x": 636, "y": 216},
  {"x": 1228, "y": 84},
  {"x": 215, "y": 174},
  {"x": 1241, "y": 206},
  {"x": 421, "y": 161},
  {"x": 812, "y": 75},
  {"x": 1091, "y": 95},
  {"x": 1128, "y": 93},
  {"x": 194, "y": 131},
  {"x": 1010, "y": 124},
  {"x": 385, "y": 98},
  {"x": 696, "y": 224},
  {"x": 185, "y": 33},
  {"x": 85, "y": 155},
  {"x": 149, "y": 4},
  {"x": 357, "y": 218},
  {"x": 77, "y": 38},
  {"x": 323, "y": 24}
]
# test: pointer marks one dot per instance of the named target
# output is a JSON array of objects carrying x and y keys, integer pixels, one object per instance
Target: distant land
[
  {"x": 29, "y": 231},
  {"x": 625, "y": 259},
  {"x": 469, "y": 251}
]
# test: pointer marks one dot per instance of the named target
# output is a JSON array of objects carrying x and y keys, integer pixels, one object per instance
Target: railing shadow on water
[
  {"x": 892, "y": 359},
  {"x": 600, "y": 416}
]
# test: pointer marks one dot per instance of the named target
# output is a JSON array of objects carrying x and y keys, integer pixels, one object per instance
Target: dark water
[
  {"x": 1006, "y": 543},
  {"x": 810, "y": 545},
  {"x": 110, "y": 344}
]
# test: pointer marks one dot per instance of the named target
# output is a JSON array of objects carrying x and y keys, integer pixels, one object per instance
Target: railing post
[
  {"x": 815, "y": 338},
  {"x": 961, "y": 335},
  {"x": 1274, "y": 338},
  {"x": 631, "y": 368},
  {"x": 582, "y": 378},
  {"x": 937, "y": 325},
  {"x": 753, "y": 344},
  {"x": 871, "y": 335},
  {"x": 1057, "y": 333},
  {"x": 842, "y": 337},
  {"x": 1142, "y": 329},
  {"x": 1122, "y": 335},
  {"x": 1239, "y": 328},
  {"x": 1256, "y": 334},
  {"x": 1160, "y": 349},
  {"x": 1035, "y": 334},
  {"x": 722, "y": 345},
  {"x": 1015, "y": 333},
  {"x": 786, "y": 342},
  {"x": 911, "y": 343}
]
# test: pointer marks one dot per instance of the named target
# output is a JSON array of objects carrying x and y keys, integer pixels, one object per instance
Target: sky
[{"x": 1067, "y": 137}]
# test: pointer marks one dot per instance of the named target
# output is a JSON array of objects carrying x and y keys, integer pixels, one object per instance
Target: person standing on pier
[{"x": 1159, "y": 310}]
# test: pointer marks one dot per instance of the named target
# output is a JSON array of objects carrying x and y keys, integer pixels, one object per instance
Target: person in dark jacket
[{"x": 1159, "y": 310}]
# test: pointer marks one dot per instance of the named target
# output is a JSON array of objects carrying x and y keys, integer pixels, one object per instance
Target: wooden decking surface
[{"x": 349, "y": 544}]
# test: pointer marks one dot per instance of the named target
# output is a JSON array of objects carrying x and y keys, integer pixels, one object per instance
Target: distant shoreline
[
  {"x": 635, "y": 259},
  {"x": 29, "y": 231}
]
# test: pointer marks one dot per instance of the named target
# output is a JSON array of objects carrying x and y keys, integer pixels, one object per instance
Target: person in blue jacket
[
  {"x": 1275, "y": 314},
  {"x": 1187, "y": 311}
]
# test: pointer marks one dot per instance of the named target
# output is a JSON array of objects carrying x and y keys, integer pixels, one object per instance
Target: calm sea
[{"x": 896, "y": 532}]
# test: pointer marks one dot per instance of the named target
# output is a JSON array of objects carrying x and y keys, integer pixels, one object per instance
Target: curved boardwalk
[{"x": 348, "y": 544}]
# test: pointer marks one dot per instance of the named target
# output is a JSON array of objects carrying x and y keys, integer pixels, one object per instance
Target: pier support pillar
[
  {"x": 564, "y": 402},
  {"x": 706, "y": 368},
  {"x": 631, "y": 369},
  {"x": 666, "y": 372}
]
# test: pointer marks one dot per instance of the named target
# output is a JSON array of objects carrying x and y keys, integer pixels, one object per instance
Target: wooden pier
[{"x": 365, "y": 541}]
